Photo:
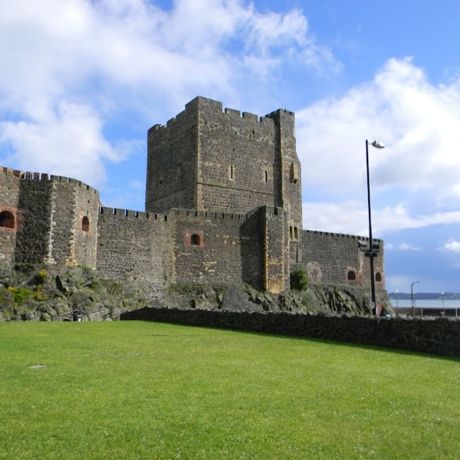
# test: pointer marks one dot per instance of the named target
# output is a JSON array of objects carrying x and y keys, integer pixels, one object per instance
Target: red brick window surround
[
  {"x": 351, "y": 275},
  {"x": 194, "y": 238},
  {"x": 7, "y": 220}
]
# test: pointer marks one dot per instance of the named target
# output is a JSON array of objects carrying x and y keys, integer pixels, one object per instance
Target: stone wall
[
  {"x": 193, "y": 247},
  {"x": 276, "y": 260},
  {"x": 330, "y": 257},
  {"x": 210, "y": 159},
  {"x": 9, "y": 198},
  {"x": 288, "y": 164},
  {"x": 134, "y": 245},
  {"x": 73, "y": 238},
  {"x": 33, "y": 237},
  {"x": 48, "y": 214},
  {"x": 86, "y": 214},
  {"x": 252, "y": 239},
  {"x": 171, "y": 163},
  {"x": 439, "y": 336},
  {"x": 209, "y": 248},
  {"x": 236, "y": 159},
  {"x": 228, "y": 249}
]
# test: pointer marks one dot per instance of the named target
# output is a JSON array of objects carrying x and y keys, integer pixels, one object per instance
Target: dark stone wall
[
  {"x": 33, "y": 237},
  {"x": 210, "y": 159},
  {"x": 217, "y": 259},
  {"x": 48, "y": 211},
  {"x": 276, "y": 260},
  {"x": 9, "y": 198},
  {"x": 188, "y": 247},
  {"x": 134, "y": 245},
  {"x": 87, "y": 205},
  {"x": 236, "y": 159},
  {"x": 328, "y": 257},
  {"x": 439, "y": 336},
  {"x": 252, "y": 238},
  {"x": 171, "y": 163},
  {"x": 63, "y": 216},
  {"x": 288, "y": 164}
]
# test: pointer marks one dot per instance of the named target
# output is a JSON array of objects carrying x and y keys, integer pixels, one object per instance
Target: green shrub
[
  {"x": 42, "y": 274},
  {"x": 299, "y": 279},
  {"x": 20, "y": 294},
  {"x": 39, "y": 295}
]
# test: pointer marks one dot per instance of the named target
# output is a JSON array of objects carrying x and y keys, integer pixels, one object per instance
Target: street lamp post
[
  {"x": 412, "y": 298},
  {"x": 377, "y": 145}
]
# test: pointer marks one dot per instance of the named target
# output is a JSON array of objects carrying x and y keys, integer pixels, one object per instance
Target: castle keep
[{"x": 222, "y": 206}]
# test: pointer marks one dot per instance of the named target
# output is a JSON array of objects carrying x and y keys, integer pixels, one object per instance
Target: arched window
[
  {"x": 6, "y": 219},
  {"x": 195, "y": 240},
  {"x": 85, "y": 224},
  {"x": 351, "y": 275},
  {"x": 290, "y": 232},
  {"x": 378, "y": 277}
]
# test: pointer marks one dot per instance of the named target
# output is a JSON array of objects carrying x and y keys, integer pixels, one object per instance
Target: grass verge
[{"x": 148, "y": 390}]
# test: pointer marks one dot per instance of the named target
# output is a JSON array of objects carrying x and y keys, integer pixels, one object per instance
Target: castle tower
[
  {"x": 209, "y": 159},
  {"x": 52, "y": 221}
]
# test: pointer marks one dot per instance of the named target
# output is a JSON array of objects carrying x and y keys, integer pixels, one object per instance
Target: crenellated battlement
[
  {"x": 338, "y": 235},
  {"x": 216, "y": 216},
  {"x": 45, "y": 177},
  {"x": 11, "y": 172},
  {"x": 280, "y": 111},
  {"x": 201, "y": 104},
  {"x": 129, "y": 213}
]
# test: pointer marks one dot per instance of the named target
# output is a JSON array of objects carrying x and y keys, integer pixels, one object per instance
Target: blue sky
[{"x": 82, "y": 81}]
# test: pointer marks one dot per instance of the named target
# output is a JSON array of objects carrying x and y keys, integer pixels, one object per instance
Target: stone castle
[{"x": 222, "y": 207}]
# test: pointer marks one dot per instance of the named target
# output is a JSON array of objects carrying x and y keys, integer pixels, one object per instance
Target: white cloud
[
  {"x": 420, "y": 124},
  {"x": 270, "y": 33},
  {"x": 351, "y": 217},
  {"x": 407, "y": 247},
  {"x": 66, "y": 66},
  {"x": 345, "y": 217},
  {"x": 452, "y": 246},
  {"x": 70, "y": 137}
]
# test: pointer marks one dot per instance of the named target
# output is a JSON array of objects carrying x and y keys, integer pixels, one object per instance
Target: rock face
[
  {"x": 329, "y": 300},
  {"x": 79, "y": 294}
]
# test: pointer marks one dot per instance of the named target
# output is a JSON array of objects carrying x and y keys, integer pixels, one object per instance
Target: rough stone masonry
[{"x": 223, "y": 207}]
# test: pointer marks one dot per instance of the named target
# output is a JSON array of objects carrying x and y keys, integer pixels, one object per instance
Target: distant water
[{"x": 426, "y": 303}]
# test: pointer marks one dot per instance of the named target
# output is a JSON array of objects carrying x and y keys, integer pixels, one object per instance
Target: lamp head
[{"x": 378, "y": 145}]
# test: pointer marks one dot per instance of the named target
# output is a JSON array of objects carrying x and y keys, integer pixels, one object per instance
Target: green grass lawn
[{"x": 146, "y": 390}]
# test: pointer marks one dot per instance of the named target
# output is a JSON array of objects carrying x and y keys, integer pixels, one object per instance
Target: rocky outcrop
[
  {"x": 80, "y": 294},
  {"x": 329, "y": 300},
  {"x": 77, "y": 294}
]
